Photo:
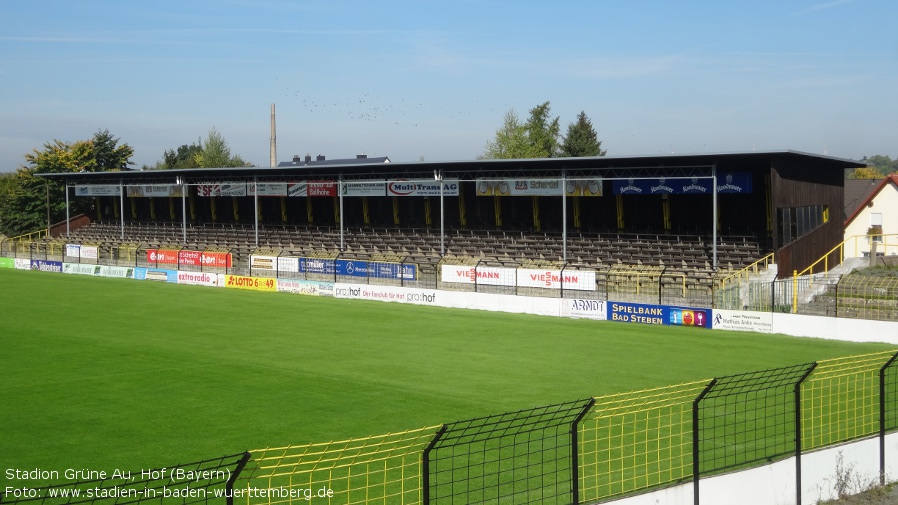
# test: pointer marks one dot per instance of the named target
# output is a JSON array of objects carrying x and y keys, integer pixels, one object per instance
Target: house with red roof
[{"x": 875, "y": 214}]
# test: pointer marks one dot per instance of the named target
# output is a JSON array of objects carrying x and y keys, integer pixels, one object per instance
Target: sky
[{"x": 433, "y": 80}]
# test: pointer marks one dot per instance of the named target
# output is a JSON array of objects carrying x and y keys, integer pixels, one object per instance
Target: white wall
[{"x": 885, "y": 203}]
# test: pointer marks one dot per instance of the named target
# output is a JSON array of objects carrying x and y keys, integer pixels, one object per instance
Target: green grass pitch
[{"x": 108, "y": 373}]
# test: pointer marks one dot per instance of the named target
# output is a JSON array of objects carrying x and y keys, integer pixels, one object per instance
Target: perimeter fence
[
  {"x": 855, "y": 295},
  {"x": 583, "y": 451}
]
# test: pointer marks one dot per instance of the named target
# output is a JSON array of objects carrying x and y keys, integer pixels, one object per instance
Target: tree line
[
  {"x": 29, "y": 203},
  {"x": 540, "y": 137}
]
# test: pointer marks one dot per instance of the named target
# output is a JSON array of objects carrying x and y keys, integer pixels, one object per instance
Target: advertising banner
[
  {"x": 359, "y": 268},
  {"x": 216, "y": 259},
  {"x": 286, "y": 264},
  {"x": 731, "y": 182},
  {"x": 493, "y": 276},
  {"x": 316, "y": 266},
  {"x": 355, "y": 268},
  {"x": 188, "y": 257},
  {"x": 422, "y": 187},
  {"x": 22, "y": 264},
  {"x": 583, "y": 187},
  {"x": 267, "y": 189},
  {"x": 582, "y": 280},
  {"x": 525, "y": 187},
  {"x": 300, "y": 188},
  {"x": 735, "y": 320},
  {"x": 117, "y": 272},
  {"x": 263, "y": 262},
  {"x": 89, "y": 252},
  {"x": 734, "y": 182},
  {"x": 98, "y": 190},
  {"x": 197, "y": 278},
  {"x": 689, "y": 317},
  {"x": 378, "y": 188},
  {"x": 386, "y": 293},
  {"x": 81, "y": 251},
  {"x": 7, "y": 263},
  {"x": 253, "y": 283},
  {"x": 156, "y": 274},
  {"x": 153, "y": 191},
  {"x": 587, "y": 309},
  {"x": 221, "y": 189},
  {"x": 658, "y": 314},
  {"x": 46, "y": 266},
  {"x": 78, "y": 268},
  {"x": 303, "y": 287},
  {"x": 165, "y": 256},
  {"x": 322, "y": 188}
]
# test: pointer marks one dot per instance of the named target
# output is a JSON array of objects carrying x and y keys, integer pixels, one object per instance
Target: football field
[{"x": 111, "y": 373}]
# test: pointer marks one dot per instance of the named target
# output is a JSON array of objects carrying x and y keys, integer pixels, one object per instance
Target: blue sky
[{"x": 433, "y": 79}]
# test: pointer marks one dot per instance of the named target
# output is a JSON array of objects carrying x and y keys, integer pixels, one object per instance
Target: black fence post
[
  {"x": 229, "y": 486},
  {"x": 696, "y": 459},
  {"x": 425, "y": 466},
  {"x": 882, "y": 419},
  {"x": 798, "y": 430},
  {"x": 575, "y": 455}
]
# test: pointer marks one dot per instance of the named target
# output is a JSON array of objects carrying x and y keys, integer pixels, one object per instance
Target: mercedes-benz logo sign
[{"x": 349, "y": 267}]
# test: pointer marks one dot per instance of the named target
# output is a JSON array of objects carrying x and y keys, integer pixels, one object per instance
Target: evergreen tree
[{"x": 581, "y": 139}]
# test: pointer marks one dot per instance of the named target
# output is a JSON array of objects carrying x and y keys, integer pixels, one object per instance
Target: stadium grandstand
[{"x": 693, "y": 216}]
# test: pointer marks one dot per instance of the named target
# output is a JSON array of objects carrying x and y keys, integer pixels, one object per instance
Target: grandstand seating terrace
[{"x": 677, "y": 252}]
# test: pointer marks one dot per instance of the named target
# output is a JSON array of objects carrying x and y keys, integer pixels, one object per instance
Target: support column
[
  {"x": 68, "y": 230},
  {"x": 714, "y": 222},
  {"x": 564, "y": 216},
  {"x": 121, "y": 207},
  {"x": 256, "y": 209}
]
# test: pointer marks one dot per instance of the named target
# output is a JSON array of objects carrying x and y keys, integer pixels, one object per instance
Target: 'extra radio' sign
[
  {"x": 254, "y": 283},
  {"x": 186, "y": 257}
]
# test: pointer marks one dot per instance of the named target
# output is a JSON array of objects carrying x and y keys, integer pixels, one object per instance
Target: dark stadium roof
[{"x": 352, "y": 168}]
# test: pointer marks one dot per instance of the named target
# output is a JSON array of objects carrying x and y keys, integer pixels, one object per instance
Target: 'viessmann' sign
[{"x": 581, "y": 280}]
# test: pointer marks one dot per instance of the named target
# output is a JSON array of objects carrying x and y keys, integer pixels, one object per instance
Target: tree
[
  {"x": 865, "y": 173},
  {"x": 544, "y": 132},
  {"x": 512, "y": 141},
  {"x": 185, "y": 157},
  {"x": 214, "y": 152},
  {"x": 581, "y": 139},
  {"x": 540, "y": 137},
  {"x": 883, "y": 165},
  {"x": 108, "y": 156},
  {"x": 25, "y": 201}
]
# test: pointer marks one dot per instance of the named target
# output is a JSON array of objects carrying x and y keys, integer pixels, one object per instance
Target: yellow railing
[
  {"x": 887, "y": 245},
  {"x": 746, "y": 272},
  {"x": 853, "y": 240},
  {"x": 33, "y": 235}
]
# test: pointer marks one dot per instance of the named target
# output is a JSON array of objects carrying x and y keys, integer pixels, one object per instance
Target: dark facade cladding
[{"x": 790, "y": 201}]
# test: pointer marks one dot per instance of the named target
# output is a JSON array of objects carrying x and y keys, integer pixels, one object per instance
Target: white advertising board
[{"x": 493, "y": 276}]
